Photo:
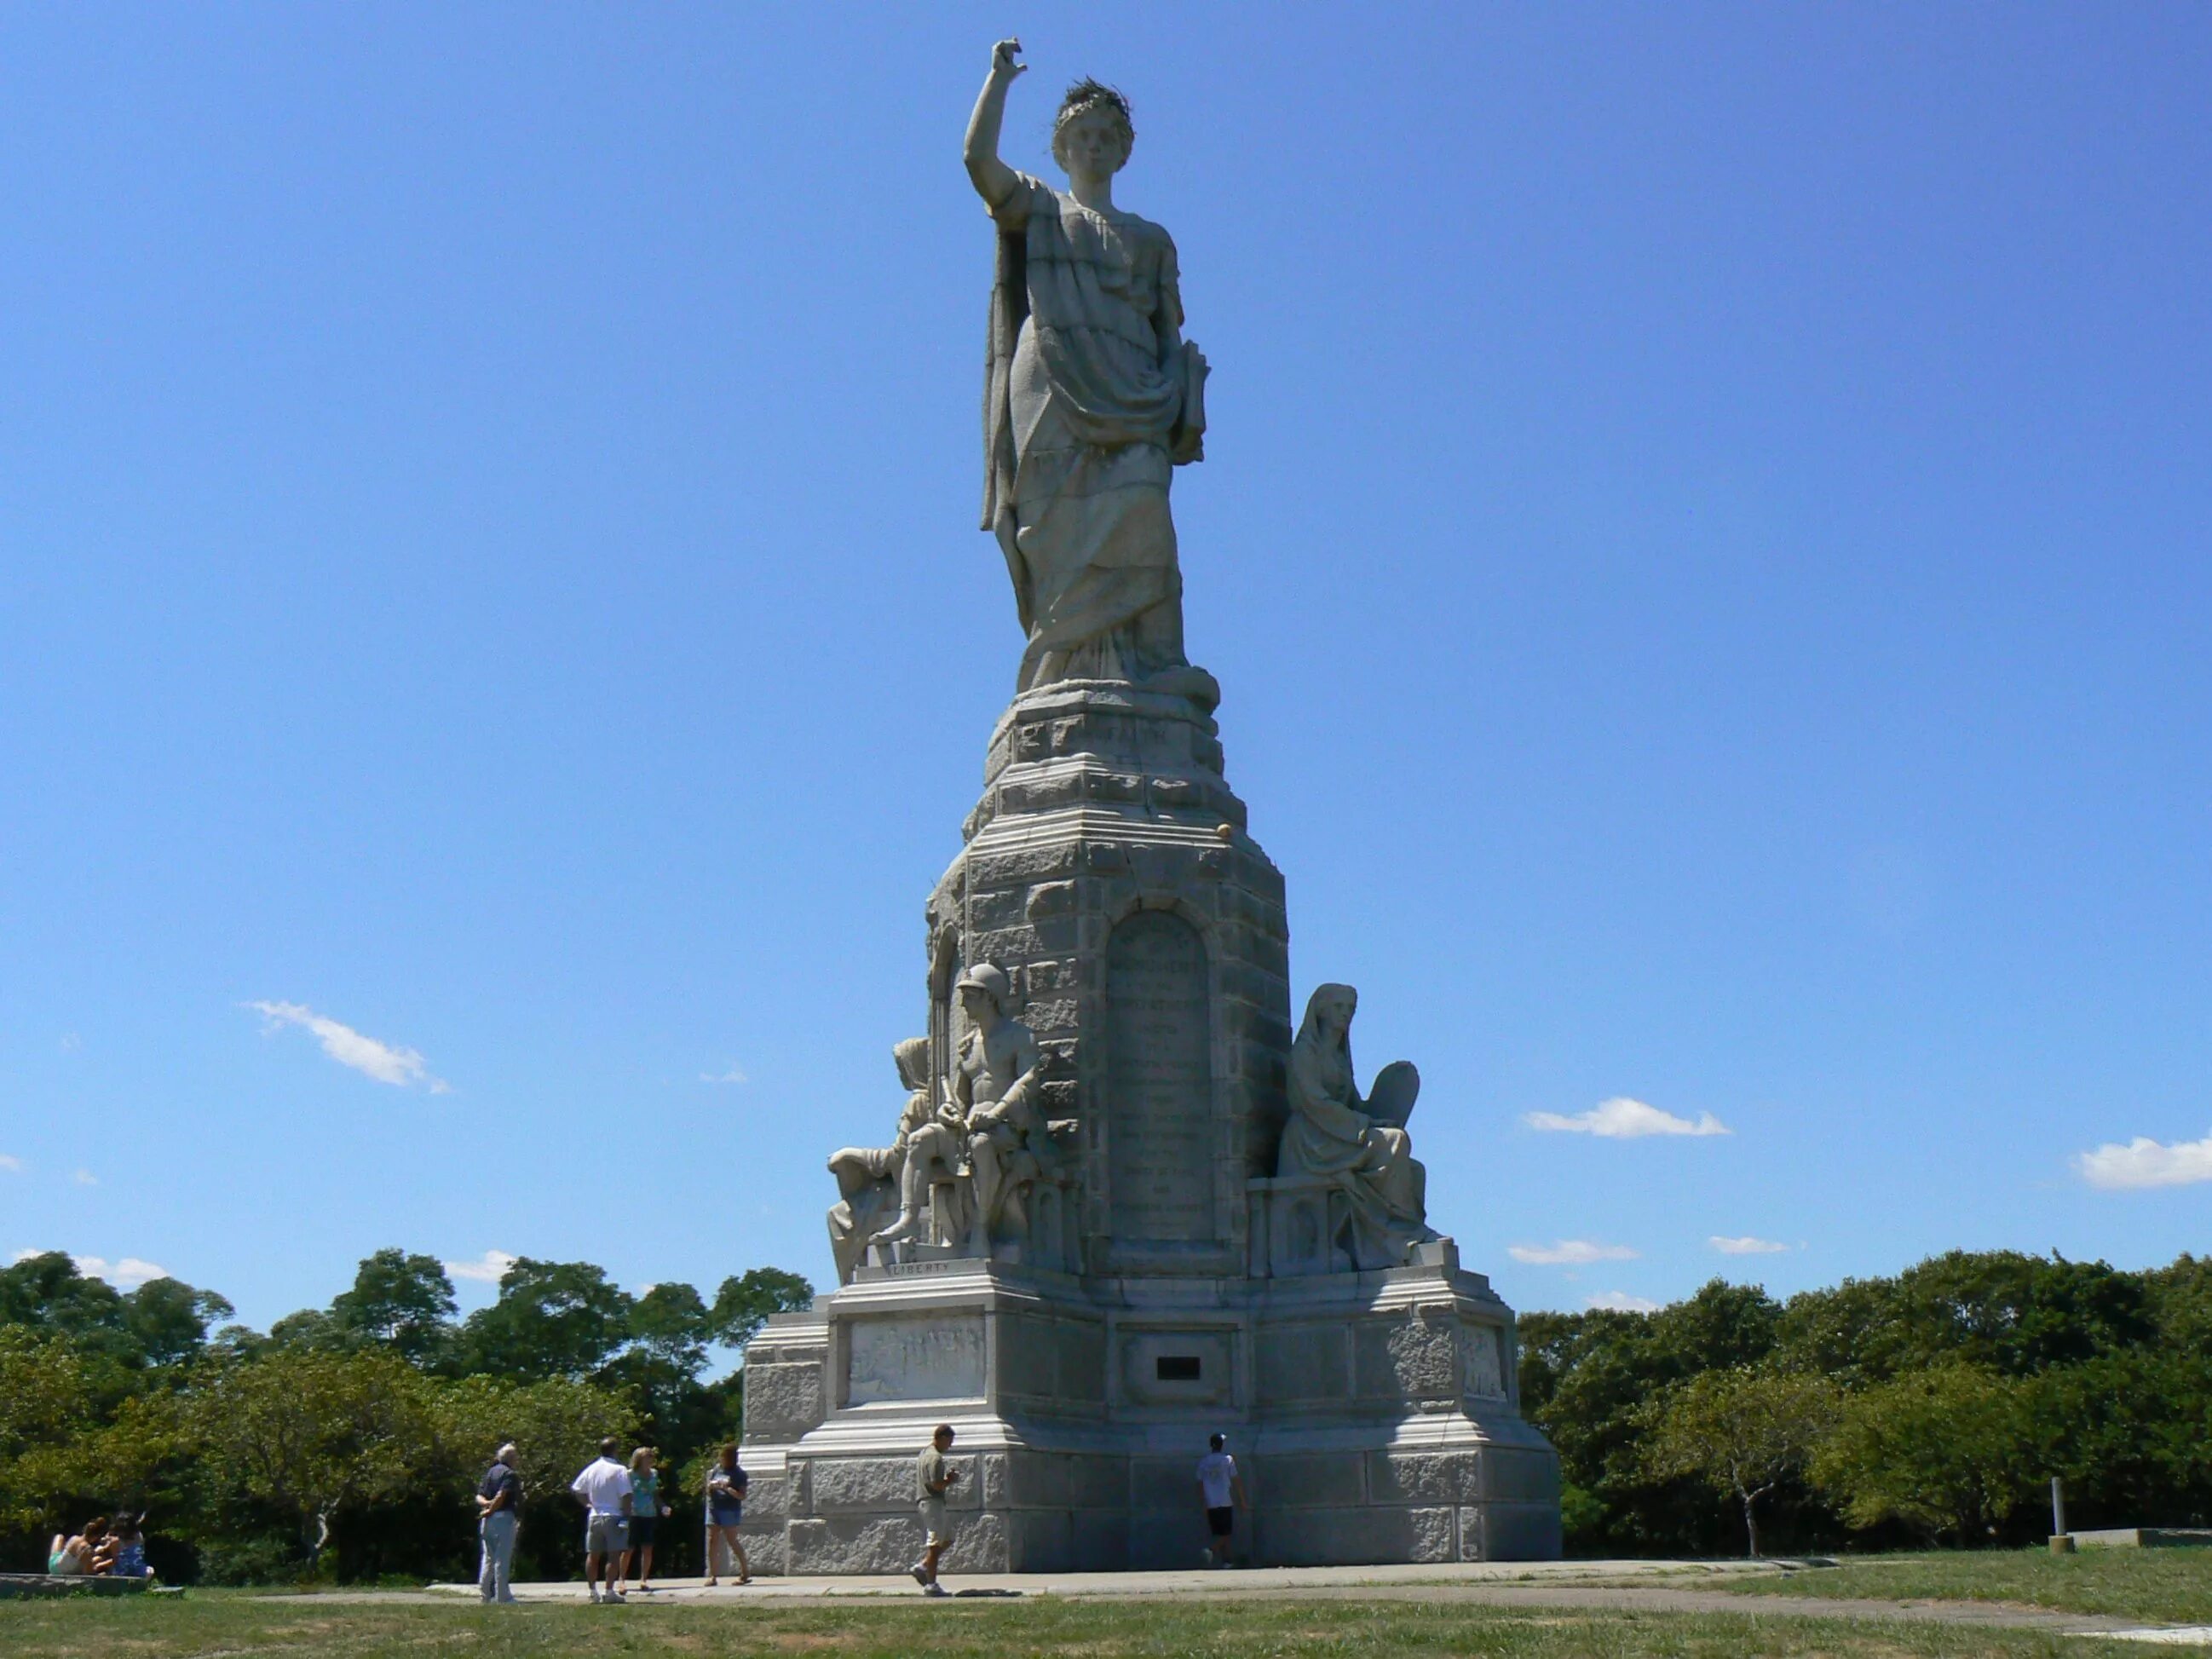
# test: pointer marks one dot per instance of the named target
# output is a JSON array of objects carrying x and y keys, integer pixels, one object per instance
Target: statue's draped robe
[
  {"x": 1083, "y": 425},
  {"x": 1387, "y": 1187}
]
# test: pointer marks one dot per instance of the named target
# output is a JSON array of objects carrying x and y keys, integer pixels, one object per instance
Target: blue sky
[{"x": 1703, "y": 534}]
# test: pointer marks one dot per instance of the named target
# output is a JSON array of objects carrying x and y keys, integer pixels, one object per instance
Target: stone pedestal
[
  {"x": 1374, "y": 1418},
  {"x": 1160, "y": 1284}
]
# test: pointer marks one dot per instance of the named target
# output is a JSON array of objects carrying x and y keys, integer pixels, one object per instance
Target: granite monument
[{"x": 1124, "y": 1204}]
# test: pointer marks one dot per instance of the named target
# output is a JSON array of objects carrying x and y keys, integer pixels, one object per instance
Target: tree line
[
  {"x": 1932, "y": 1407},
  {"x": 346, "y": 1441}
]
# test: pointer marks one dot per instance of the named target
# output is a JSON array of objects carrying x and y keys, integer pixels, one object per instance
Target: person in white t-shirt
[
  {"x": 604, "y": 1490},
  {"x": 1220, "y": 1494}
]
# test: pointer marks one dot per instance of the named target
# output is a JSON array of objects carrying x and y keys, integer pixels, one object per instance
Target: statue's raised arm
[
  {"x": 1092, "y": 399},
  {"x": 993, "y": 179}
]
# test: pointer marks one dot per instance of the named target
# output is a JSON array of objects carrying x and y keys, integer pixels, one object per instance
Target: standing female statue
[
  {"x": 1092, "y": 398},
  {"x": 1354, "y": 1143}
]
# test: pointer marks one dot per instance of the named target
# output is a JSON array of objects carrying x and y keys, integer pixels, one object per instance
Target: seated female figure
[{"x": 1331, "y": 1134}]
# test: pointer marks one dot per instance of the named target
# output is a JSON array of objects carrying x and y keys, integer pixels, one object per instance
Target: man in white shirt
[
  {"x": 1221, "y": 1494},
  {"x": 604, "y": 1490}
]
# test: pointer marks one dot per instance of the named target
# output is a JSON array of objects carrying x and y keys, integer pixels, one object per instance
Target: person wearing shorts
[
  {"x": 1220, "y": 1491},
  {"x": 646, "y": 1512},
  {"x": 934, "y": 1478},
  {"x": 603, "y": 1488},
  {"x": 726, "y": 1510}
]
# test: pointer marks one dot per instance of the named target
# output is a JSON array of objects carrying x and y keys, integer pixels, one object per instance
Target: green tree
[
  {"x": 309, "y": 1330},
  {"x": 1742, "y": 1431},
  {"x": 47, "y": 1291},
  {"x": 2004, "y": 1311},
  {"x": 552, "y": 1319},
  {"x": 744, "y": 1303},
  {"x": 557, "y": 1427},
  {"x": 1585, "y": 1378},
  {"x": 401, "y": 1302},
  {"x": 168, "y": 1319},
  {"x": 314, "y": 1436},
  {"x": 1946, "y": 1450},
  {"x": 49, "y": 1391},
  {"x": 671, "y": 1323}
]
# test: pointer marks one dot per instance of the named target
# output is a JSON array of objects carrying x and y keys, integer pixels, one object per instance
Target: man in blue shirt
[{"x": 499, "y": 1515}]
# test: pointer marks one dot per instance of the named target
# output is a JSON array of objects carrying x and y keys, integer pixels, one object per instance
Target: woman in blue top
[
  {"x": 726, "y": 1509},
  {"x": 645, "y": 1514},
  {"x": 130, "y": 1548}
]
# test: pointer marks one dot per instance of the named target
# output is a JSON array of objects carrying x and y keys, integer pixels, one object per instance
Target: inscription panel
[
  {"x": 1160, "y": 1081},
  {"x": 915, "y": 1358}
]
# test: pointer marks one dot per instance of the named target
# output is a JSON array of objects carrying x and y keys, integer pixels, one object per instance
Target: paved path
[
  {"x": 1573, "y": 1586},
  {"x": 1261, "y": 1581}
]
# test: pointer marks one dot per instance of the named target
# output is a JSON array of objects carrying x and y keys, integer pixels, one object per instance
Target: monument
[{"x": 1126, "y": 1205}]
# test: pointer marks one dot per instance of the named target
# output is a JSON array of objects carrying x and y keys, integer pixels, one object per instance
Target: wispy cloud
[
  {"x": 1623, "y": 1118},
  {"x": 1621, "y": 1302},
  {"x": 1568, "y": 1252},
  {"x": 12, "y": 1165},
  {"x": 735, "y": 1074},
  {"x": 131, "y": 1271},
  {"x": 2146, "y": 1163},
  {"x": 488, "y": 1269},
  {"x": 1745, "y": 1246},
  {"x": 386, "y": 1062},
  {"x": 71, "y": 1043},
  {"x": 85, "y": 1178}
]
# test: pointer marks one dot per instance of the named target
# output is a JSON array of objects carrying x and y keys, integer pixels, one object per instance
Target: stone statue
[
  {"x": 994, "y": 1080},
  {"x": 1091, "y": 399},
  {"x": 868, "y": 1178},
  {"x": 1361, "y": 1146},
  {"x": 937, "y": 1150},
  {"x": 989, "y": 1130}
]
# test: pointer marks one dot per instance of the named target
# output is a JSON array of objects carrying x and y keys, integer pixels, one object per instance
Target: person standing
[
  {"x": 603, "y": 1488},
  {"x": 499, "y": 1517},
  {"x": 1221, "y": 1494},
  {"x": 726, "y": 1512},
  {"x": 934, "y": 1478},
  {"x": 646, "y": 1510}
]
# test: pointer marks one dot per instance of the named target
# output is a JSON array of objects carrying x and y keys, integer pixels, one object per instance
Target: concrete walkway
[{"x": 1257, "y": 1580}]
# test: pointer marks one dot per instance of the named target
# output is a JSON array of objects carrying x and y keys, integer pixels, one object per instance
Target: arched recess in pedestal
[{"x": 1159, "y": 1082}]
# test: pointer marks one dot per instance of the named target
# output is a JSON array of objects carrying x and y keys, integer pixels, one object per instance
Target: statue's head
[
  {"x": 1329, "y": 1010},
  {"x": 912, "y": 1059},
  {"x": 1092, "y": 134},
  {"x": 982, "y": 988}
]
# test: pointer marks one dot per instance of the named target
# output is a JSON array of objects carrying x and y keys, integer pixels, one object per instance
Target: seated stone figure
[
  {"x": 991, "y": 1124},
  {"x": 868, "y": 1178},
  {"x": 936, "y": 1155},
  {"x": 1332, "y": 1134}
]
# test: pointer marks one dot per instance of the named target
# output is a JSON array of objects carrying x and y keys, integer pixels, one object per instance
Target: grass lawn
[
  {"x": 203, "y": 1624},
  {"x": 2171, "y": 1586}
]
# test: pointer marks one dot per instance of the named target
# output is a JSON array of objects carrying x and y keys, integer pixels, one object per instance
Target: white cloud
[
  {"x": 1745, "y": 1246},
  {"x": 488, "y": 1269},
  {"x": 735, "y": 1074},
  {"x": 12, "y": 1165},
  {"x": 131, "y": 1271},
  {"x": 85, "y": 1178},
  {"x": 1623, "y": 1118},
  {"x": 2146, "y": 1163},
  {"x": 71, "y": 1043},
  {"x": 1621, "y": 1302},
  {"x": 365, "y": 1055},
  {"x": 1568, "y": 1252}
]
